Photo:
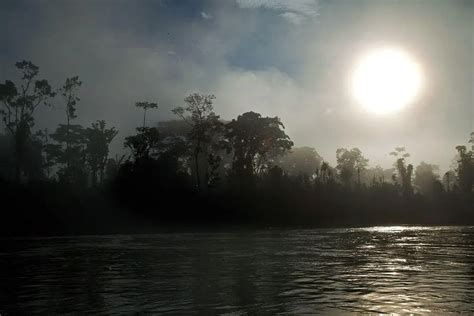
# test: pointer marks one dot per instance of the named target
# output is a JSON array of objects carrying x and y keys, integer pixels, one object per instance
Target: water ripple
[{"x": 378, "y": 269}]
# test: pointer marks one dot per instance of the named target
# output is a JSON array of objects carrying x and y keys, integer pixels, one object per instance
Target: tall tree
[
  {"x": 449, "y": 180},
  {"x": 98, "y": 139},
  {"x": 204, "y": 135},
  {"x": 146, "y": 106},
  {"x": 405, "y": 172},
  {"x": 254, "y": 140},
  {"x": 67, "y": 150},
  {"x": 145, "y": 142},
  {"x": 465, "y": 166},
  {"x": 325, "y": 173},
  {"x": 19, "y": 106},
  {"x": 350, "y": 164},
  {"x": 68, "y": 91}
]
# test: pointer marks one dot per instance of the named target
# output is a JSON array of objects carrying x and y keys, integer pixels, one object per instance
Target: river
[{"x": 396, "y": 269}]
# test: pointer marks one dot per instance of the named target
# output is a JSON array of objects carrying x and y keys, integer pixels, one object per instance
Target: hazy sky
[{"x": 290, "y": 59}]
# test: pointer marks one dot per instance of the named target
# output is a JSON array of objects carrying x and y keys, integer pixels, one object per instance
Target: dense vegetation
[{"x": 201, "y": 170}]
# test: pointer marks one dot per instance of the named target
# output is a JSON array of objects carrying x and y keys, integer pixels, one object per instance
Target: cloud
[
  {"x": 294, "y": 11},
  {"x": 292, "y": 17},
  {"x": 269, "y": 92},
  {"x": 153, "y": 52},
  {"x": 206, "y": 16}
]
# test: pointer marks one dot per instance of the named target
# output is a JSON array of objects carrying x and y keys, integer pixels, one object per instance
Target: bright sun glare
[{"x": 386, "y": 80}]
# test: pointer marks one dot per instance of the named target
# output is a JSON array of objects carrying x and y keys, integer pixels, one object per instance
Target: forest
[{"x": 199, "y": 170}]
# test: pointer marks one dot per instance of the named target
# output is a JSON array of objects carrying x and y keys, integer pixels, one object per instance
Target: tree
[
  {"x": 68, "y": 91},
  {"x": 374, "y": 176},
  {"x": 32, "y": 168},
  {"x": 449, "y": 180},
  {"x": 350, "y": 163},
  {"x": 144, "y": 144},
  {"x": 19, "y": 105},
  {"x": 67, "y": 152},
  {"x": 7, "y": 163},
  {"x": 465, "y": 167},
  {"x": 146, "y": 106},
  {"x": 204, "y": 136},
  {"x": 325, "y": 173},
  {"x": 300, "y": 161},
  {"x": 254, "y": 140},
  {"x": 405, "y": 172},
  {"x": 97, "y": 140},
  {"x": 472, "y": 141},
  {"x": 426, "y": 178},
  {"x": 174, "y": 142}
]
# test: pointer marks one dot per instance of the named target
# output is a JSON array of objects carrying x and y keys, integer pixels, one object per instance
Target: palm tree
[{"x": 145, "y": 106}]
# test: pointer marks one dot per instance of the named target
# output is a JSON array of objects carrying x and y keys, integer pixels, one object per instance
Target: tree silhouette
[
  {"x": 449, "y": 179},
  {"x": 465, "y": 167},
  {"x": 97, "y": 140},
  {"x": 405, "y": 172},
  {"x": 70, "y": 158},
  {"x": 205, "y": 132},
  {"x": 19, "y": 105},
  {"x": 472, "y": 141},
  {"x": 323, "y": 173},
  {"x": 246, "y": 167},
  {"x": 253, "y": 140},
  {"x": 68, "y": 149},
  {"x": 68, "y": 91},
  {"x": 374, "y": 176},
  {"x": 350, "y": 163},
  {"x": 144, "y": 144},
  {"x": 300, "y": 161},
  {"x": 146, "y": 106},
  {"x": 426, "y": 178}
]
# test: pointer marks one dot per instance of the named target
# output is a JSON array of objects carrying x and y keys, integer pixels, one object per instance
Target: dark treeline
[{"x": 200, "y": 170}]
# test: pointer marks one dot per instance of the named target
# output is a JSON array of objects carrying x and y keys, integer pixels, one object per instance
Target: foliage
[
  {"x": 70, "y": 173},
  {"x": 465, "y": 166},
  {"x": 427, "y": 179},
  {"x": 254, "y": 140},
  {"x": 205, "y": 134},
  {"x": 144, "y": 144},
  {"x": 97, "y": 140},
  {"x": 300, "y": 161},
  {"x": 146, "y": 106},
  {"x": 68, "y": 92},
  {"x": 405, "y": 172},
  {"x": 19, "y": 105},
  {"x": 67, "y": 153},
  {"x": 350, "y": 164}
]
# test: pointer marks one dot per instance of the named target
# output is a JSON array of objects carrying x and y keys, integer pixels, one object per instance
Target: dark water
[{"x": 380, "y": 269}]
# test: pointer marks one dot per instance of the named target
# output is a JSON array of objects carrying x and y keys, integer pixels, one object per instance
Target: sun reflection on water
[
  {"x": 395, "y": 269},
  {"x": 397, "y": 229}
]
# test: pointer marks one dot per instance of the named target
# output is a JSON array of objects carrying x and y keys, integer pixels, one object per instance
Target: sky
[{"x": 291, "y": 59}]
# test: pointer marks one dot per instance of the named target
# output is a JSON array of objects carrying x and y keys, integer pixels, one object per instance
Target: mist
[
  {"x": 277, "y": 58},
  {"x": 247, "y": 157}
]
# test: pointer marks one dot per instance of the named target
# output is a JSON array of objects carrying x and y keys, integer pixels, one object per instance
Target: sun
[{"x": 386, "y": 80}]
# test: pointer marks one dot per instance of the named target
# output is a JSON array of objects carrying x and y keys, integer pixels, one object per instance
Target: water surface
[{"x": 378, "y": 269}]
